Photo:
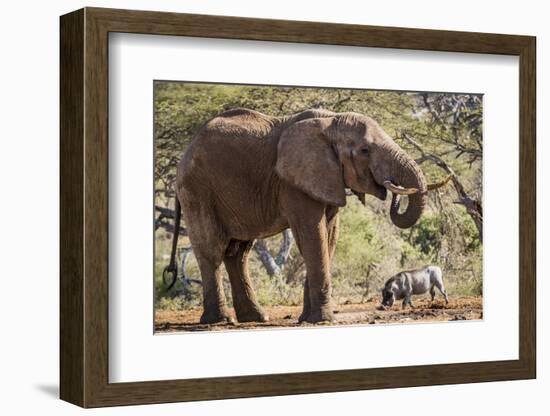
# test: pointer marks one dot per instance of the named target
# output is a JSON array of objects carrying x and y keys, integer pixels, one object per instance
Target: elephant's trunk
[{"x": 407, "y": 174}]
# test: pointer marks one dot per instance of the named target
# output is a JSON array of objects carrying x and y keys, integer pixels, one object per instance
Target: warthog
[{"x": 413, "y": 282}]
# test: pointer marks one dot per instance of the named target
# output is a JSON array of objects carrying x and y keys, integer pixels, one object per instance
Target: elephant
[{"x": 247, "y": 175}]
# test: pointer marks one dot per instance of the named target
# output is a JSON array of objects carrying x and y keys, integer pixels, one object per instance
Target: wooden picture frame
[{"x": 84, "y": 207}]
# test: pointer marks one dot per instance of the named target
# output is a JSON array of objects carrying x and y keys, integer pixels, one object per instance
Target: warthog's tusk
[
  {"x": 399, "y": 190},
  {"x": 433, "y": 186}
]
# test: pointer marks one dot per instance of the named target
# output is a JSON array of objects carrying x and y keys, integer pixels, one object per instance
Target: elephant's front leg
[
  {"x": 332, "y": 237},
  {"x": 318, "y": 288},
  {"x": 306, "y": 310},
  {"x": 309, "y": 225}
]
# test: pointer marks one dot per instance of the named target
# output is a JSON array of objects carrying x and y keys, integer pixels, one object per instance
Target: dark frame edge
[
  {"x": 528, "y": 208},
  {"x": 72, "y": 298},
  {"x": 287, "y": 384},
  {"x": 294, "y": 31}
]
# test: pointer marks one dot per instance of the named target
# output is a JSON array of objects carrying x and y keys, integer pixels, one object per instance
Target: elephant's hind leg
[
  {"x": 214, "y": 303},
  {"x": 209, "y": 245},
  {"x": 246, "y": 306}
]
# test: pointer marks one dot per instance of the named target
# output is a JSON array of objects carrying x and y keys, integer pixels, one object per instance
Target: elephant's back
[
  {"x": 232, "y": 146},
  {"x": 239, "y": 124}
]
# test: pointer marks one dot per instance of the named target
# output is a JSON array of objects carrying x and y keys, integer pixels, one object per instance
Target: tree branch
[
  {"x": 274, "y": 265},
  {"x": 472, "y": 205},
  {"x": 160, "y": 221}
]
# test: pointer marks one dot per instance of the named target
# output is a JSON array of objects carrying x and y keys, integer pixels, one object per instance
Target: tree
[
  {"x": 472, "y": 205},
  {"x": 457, "y": 120}
]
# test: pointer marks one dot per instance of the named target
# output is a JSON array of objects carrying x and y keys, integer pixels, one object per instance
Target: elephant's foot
[
  {"x": 317, "y": 315},
  {"x": 251, "y": 315},
  {"x": 303, "y": 317},
  {"x": 216, "y": 317}
]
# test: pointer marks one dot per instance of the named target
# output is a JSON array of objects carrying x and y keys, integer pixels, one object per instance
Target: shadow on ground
[{"x": 51, "y": 390}]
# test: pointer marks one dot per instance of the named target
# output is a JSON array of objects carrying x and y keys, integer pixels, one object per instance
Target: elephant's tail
[{"x": 172, "y": 268}]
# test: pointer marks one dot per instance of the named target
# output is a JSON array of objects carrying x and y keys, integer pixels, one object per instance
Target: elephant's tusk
[
  {"x": 433, "y": 186},
  {"x": 399, "y": 190}
]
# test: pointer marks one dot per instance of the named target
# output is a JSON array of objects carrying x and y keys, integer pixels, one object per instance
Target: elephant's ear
[{"x": 306, "y": 159}]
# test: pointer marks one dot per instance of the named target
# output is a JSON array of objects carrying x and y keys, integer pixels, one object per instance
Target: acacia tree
[{"x": 457, "y": 119}]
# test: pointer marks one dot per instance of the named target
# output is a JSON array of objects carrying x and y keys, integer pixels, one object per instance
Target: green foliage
[
  {"x": 426, "y": 235},
  {"x": 370, "y": 248},
  {"x": 469, "y": 232}
]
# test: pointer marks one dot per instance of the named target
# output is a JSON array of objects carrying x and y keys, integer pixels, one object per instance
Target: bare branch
[
  {"x": 274, "y": 265},
  {"x": 472, "y": 205},
  {"x": 160, "y": 221}
]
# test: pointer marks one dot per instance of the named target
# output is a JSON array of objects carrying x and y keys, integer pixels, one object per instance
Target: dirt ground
[{"x": 370, "y": 312}]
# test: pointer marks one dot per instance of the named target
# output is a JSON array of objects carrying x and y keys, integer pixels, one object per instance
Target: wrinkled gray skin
[
  {"x": 247, "y": 175},
  {"x": 413, "y": 282}
]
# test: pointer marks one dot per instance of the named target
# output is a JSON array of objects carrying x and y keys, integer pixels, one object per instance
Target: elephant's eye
[{"x": 364, "y": 151}]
